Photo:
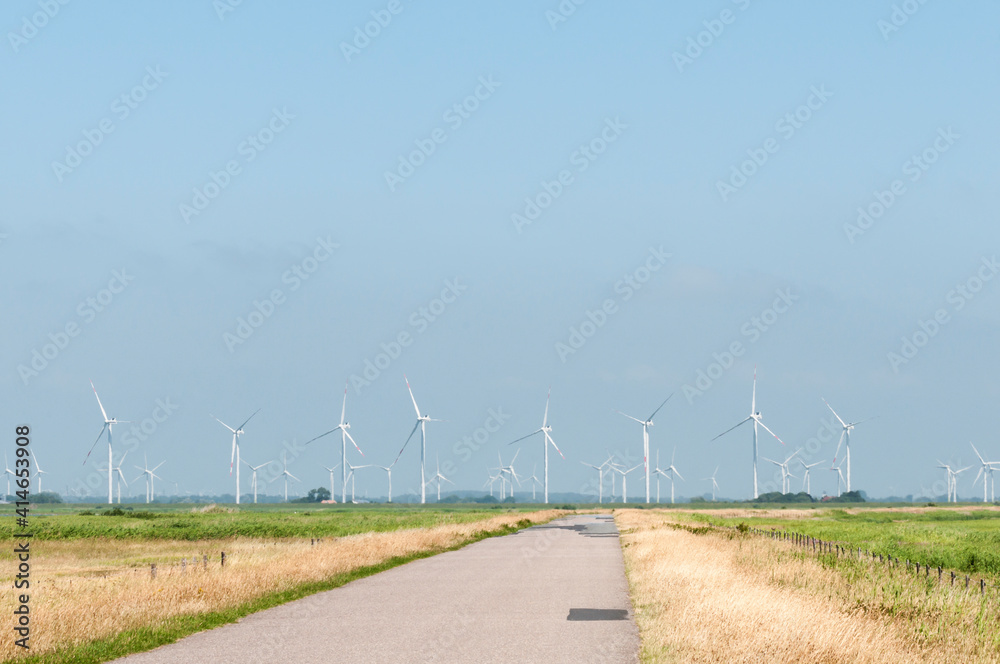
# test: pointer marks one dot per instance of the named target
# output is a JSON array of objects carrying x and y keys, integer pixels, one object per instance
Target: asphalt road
[{"x": 552, "y": 593}]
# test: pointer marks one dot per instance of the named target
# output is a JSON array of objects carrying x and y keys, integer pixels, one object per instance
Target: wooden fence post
[
  {"x": 184, "y": 562},
  {"x": 153, "y": 570},
  {"x": 205, "y": 560},
  {"x": 223, "y": 559}
]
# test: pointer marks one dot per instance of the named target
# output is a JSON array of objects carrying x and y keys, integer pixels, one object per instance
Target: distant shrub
[
  {"x": 567, "y": 506},
  {"x": 86, "y": 513}
]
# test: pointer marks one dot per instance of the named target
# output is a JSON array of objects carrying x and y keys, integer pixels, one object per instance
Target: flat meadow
[
  {"x": 706, "y": 587},
  {"x": 95, "y": 597}
]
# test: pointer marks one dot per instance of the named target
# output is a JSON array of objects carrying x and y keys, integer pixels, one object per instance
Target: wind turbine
[
  {"x": 546, "y": 431},
  {"x": 492, "y": 479},
  {"x": 422, "y": 421},
  {"x": 286, "y": 474},
  {"x": 253, "y": 480},
  {"x": 8, "y": 472},
  {"x": 600, "y": 480},
  {"x": 235, "y": 455},
  {"x": 715, "y": 485},
  {"x": 38, "y": 471},
  {"x": 785, "y": 472},
  {"x": 840, "y": 477},
  {"x": 109, "y": 422},
  {"x": 333, "y": 494},
  {"x": 509, "y": 470},
  {"x": 350, "y": 477},
  {"x": 345, "y": 435},
  {"x": 806, "y": 482},
  {"x": 648, "y": 422},
  {"x": 756, "y": 418},
  {"x": 985, "y": 471},
  {"x": 388, "y": 473},
  {"x": 438, "y": 478},
  {"x": 624, "y": 473},
  {"x": 121, "y": 476},
  {"x": 149, "y": 474},
  {"x": 535, "y": 482},
  {"x": 668, "y": 473},
  {"x": 845, "y": 434}
]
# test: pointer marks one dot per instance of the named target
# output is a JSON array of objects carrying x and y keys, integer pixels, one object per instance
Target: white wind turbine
[
  {"x": 508, "y": 470},
  {"x": 840, "y": 477},
  {"x": 648, "y": 422},
  {"x": 439, "y": 478},
  {"x": 285, "y": 474},
  {"x": 669, "y": 473},
  {"x": 422, "y": 421},
  {"x": 150, "y": 475},
  {"x": 38, "y": 472},
  {"x": 109, "y": 422},
  {"x": 388, "y": 473},
  {"x": 600, "y": 479},
  {"x": 786, "y": 474},
  {"x": 253, "y": 479},
  {"x": 351, "y": 477},
  {"x": 234, "y": 457},
  {"x": 806, "y": 482},
  {"x": 8, "y": 472},
  {"x": 121, "y": 476},
  {"x": 345, "y": 435},
  {"x": 535, "y": 482},
  {"x": 546, "y": 431},
  {"x": 985, "y": 471},
  {"x": 492, "y": 479},
  {"x": 715, "y": 485},
  {"x": 624, "y": 473},
  {"x": 757, "y": 419},
  {"x": 845, "y": 435},
  {"x": 333, "y": 493}
]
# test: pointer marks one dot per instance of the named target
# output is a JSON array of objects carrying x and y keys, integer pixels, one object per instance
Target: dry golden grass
[
  {"x": 721, "y": 597},
  {"x": 84, "y": 590}
]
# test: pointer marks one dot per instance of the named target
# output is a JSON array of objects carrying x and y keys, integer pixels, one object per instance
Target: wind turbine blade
[
  {"x": 298, "y": 480},
  {"x": 232, "y": 456},
  {"x": 95, "y": 443},
  {"x": 158, "y": 465},
  {"x": 343, "y": 408},
  {"x": 248, "y": 419},
  {"x": 549, "y": 438},
  {"x": 321, "y": 435},
  {"x": 515, "y": 457},
  {"x": 730, "y": 429},
  {"x": 854, "y": 424},
  {"x": 753, "y": 397},
  {"x": 222, "y": 423},
  {"x": 524, "y": 437},
  {"x": 676, "y": 471},
  {"x": 634, "y": 419},
  {"x": 351, "y": 438},
  {"x": 839, "y": 443},
  {"x": 771, "y": 432},
  {"x": 545, "y": 418},
  {"x": 413, "y": 431},
  {"x": 661, "y": 406},
  {"x": 977, "y": 453},
  {"x": 842, "y": 422},
  {"x": 411, "y": 395},
  {"x": 99, "y": 401}
]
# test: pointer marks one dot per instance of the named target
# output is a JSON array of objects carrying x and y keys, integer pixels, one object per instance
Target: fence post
[
  {"x": 153, "y": 570},
  {"x": 966, "y": 581},
  {"x": 205, "y": 560},
  {"x": 939, "y": 574},
  {"x": 223, "y": 559},
  {"x": 927, "y": 571},
  {"x": 184, "y": 562},
  {"x": 982, "y": 587},
  {"x": 952, "y": 578}
]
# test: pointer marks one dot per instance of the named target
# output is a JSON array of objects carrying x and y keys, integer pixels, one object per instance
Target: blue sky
[{"x": 329, "y": 127}]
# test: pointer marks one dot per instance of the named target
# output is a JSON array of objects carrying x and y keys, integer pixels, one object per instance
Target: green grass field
[
  {"x": 187, "y": 522},
  {"x": 965, "y": 540}
]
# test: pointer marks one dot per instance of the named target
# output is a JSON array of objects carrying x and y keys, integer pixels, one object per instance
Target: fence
[
  {"x": 183, "y": 566},
  {"x": 839, "y": 550}
]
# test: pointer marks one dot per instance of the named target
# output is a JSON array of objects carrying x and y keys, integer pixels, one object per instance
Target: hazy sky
[{"x": 235, "y": 206}]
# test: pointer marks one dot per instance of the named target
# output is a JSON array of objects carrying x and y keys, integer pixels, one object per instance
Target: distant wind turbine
[
  {"x": 845, "y": 435},
  {"x": 546, "y": 432},
  {"x": 806, "y": 482},
  {"x": 345, "y": 435},
  {"x": 234, "y": 457},
  {"x": 715, "y": 485},
  {"x": 648, "y": 422},
  {"x": 109, "y": 422},
  {"x": 669, "y": 473},
  {"x": 422, "y": 421},
  {"x": 253, "y": 479}
]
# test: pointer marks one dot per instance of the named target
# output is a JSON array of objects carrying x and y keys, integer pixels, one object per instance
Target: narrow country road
[{"x": 552, "y": 593}]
